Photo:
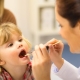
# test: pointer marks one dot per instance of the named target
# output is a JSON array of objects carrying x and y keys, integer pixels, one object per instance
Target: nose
[{"x": 20, "y": 45}]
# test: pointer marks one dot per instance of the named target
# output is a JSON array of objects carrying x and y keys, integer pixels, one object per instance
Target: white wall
[{"x": 21, "y": 12}]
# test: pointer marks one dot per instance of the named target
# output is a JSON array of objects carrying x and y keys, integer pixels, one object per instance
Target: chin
[
  {"x": 75, "y": 51},
  {"x": 25, "y": 63}
]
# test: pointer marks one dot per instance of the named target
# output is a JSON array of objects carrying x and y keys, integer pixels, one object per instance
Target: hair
[
  {"x": 6, "y": 31},
  {"x": 1, "y": 8},
  {"x": 69, "y": 9}
]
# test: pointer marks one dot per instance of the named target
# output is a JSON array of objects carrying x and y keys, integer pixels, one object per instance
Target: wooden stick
[
  {"x": 47, "y": 47},
  {"x": 56, "y": 43}
]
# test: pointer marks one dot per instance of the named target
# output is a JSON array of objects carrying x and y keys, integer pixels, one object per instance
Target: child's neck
[{"x": 17, "y": 72}]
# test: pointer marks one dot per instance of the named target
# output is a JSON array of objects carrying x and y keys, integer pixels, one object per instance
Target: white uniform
[{"x": 67, "y": 72}]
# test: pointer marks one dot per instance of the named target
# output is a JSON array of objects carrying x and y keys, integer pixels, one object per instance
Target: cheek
[
  {"x": 64, "y": 33},
  {"x": 4, "y": 55},
  {"x": 71, "y": 40},
  {"x": 8, "y": 53}
]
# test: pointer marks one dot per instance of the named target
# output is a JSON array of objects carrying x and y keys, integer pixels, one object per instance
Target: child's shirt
[{"x": 27, "y": 76}]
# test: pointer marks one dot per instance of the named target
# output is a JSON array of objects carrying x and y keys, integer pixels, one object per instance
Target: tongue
[{"x": 21, "y": 56}]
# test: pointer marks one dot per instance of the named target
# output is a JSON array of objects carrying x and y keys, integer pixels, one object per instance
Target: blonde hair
[
  {"x": 1, "y": 8},
  {"x": 6, "y": 30}
]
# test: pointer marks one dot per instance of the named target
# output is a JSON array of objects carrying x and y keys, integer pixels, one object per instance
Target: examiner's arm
[{"x": 67, "y": 71}]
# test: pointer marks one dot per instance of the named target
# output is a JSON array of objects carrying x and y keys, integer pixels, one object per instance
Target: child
[{"x": 14, "y": 65}]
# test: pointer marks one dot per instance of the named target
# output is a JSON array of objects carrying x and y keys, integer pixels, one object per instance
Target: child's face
[{"x": 14, "y": 50}]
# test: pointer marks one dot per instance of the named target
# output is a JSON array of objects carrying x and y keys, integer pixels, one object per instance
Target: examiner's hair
[
  {"x": 1, "y": 8},
  {"x": 6, "y": 31},
  {"x": 69, "y": 9}
]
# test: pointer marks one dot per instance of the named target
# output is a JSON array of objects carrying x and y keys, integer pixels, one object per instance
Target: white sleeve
[
  {"x": 67, "y": 72},
  {"x": 54, "y": 70}
]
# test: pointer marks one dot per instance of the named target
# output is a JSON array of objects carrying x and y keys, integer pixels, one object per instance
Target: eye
[
  {"x": 20, "y": 40},
  {"x": 60, "y": 25},
  {"x": 11, "y": 44}
]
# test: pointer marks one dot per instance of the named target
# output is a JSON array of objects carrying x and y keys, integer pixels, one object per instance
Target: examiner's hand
[
  {"x": 55, "y": 52},
  {"x": 41, "y": 63}
]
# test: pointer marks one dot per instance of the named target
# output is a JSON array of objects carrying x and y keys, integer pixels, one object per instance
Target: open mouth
[{"x": 22, "y": 54}]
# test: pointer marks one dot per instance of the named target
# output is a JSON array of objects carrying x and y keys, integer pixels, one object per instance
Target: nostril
[{"x": 20, "y": 45}]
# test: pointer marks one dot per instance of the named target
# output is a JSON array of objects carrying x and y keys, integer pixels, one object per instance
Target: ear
[{"x": 2, "y": 62}]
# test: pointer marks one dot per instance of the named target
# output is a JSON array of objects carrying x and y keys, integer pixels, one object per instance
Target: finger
[
  {"x": 59, "y": 46},
  {"x": 38, "y": 52},
  {"x": 35, "y": 58},
  {"x": 52, "y": 41},
  {"x": 52, "y": 52},
  {"x": 44, "y": 50}
]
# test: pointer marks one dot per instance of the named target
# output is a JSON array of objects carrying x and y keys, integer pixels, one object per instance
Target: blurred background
[{"x": 36, "y": 19}]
